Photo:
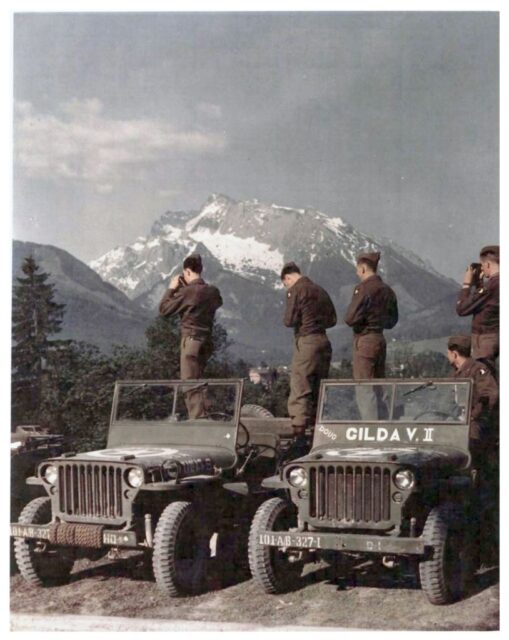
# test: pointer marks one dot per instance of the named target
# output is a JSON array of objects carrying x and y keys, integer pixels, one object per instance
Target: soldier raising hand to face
[
  {"x": 196, "y": 302},
  {"x": 482, "y": 301}
]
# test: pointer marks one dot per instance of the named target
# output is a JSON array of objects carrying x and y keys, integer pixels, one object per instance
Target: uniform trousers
[
  {"x": 310, "y": 364},
  {"x": 369, "y": 352},
  {"x": 194, "y": 353}
]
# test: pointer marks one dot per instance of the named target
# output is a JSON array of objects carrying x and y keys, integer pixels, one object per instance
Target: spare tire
[{"x": 255, "y": 411}]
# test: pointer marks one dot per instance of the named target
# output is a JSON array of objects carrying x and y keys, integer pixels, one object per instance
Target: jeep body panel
[{"x": 151, "y": 456}]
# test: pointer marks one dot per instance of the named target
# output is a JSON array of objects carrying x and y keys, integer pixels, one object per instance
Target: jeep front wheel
[
  {"x": 181, "y": 550},
  {"x": 272, "y": 568},
  {"x": 38, "y": 564},
  {"x": 445, "y": 575}
]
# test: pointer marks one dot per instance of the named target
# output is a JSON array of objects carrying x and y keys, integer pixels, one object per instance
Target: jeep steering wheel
[{"x": 432, "y": 414}]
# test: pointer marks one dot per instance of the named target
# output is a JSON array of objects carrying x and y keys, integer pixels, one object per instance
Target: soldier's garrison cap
[
  {"x": 462, "y": 341},
  {"x": 492, "y": 248},
  {"x": 372, "y": 258}
]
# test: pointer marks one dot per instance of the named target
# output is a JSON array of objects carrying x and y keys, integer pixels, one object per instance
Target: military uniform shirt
[
  {"x": 309, "y": 308},
  {"x": 196, "y": 303},
  {"x": 483, "y": 304},
  {"x": 485, "y": 394},
  {"x": 374, "y": 307}
]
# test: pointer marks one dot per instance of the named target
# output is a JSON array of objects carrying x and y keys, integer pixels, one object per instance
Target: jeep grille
[
  {"x": 91, "y": 491},
  {"x": 351, "y": 494}
]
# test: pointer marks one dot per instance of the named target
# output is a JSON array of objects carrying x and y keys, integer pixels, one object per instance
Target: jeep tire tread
[
  {"x": 254, "y": 411},
  {"x": 41, "y": 568},
  {"x": 270, "y": 567},
  {"x": 445, "y": 575},
  {"x": 181, "y": 550}
]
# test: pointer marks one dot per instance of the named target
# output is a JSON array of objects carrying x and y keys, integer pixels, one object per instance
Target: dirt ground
[{"x": 367, "y": 596}]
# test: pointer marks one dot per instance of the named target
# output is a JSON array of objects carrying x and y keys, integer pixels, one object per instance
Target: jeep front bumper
[
  {"x": 110, "y": 537},
  {"x": 342, "y": 542}
]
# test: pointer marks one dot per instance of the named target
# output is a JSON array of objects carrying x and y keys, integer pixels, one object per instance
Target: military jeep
[
  {"x": 180, "y": 468},
  {"x": 389, "y": 475}
]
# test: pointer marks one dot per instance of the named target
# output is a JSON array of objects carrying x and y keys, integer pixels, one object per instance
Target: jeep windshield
[
  {"x": 388, "y": 414},
  {"x": 409, "y": 401},
  {"x": 185, "y": 412}
]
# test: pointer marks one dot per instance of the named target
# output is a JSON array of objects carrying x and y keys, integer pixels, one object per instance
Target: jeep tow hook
[{"x": 390, "y": 562}]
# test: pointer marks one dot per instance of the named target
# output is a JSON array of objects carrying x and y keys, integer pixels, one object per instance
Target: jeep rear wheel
[
  {"x": 271, "y": 567},
  {"x": 181, "y": 550},
  {"x": 39, "y": 565},
  {"x": 446, "y": 574}
]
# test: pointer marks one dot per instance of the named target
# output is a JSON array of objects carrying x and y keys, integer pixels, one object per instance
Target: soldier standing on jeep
[
  {"x": 309, "y": 311},
  {"x": 374, "y": 307},
  {"x": 196, "y": 303}
]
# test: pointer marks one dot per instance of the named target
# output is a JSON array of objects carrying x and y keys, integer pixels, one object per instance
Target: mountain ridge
[
  {"x": 96, "y": 311},
  {"x": 244, "y": 245}
]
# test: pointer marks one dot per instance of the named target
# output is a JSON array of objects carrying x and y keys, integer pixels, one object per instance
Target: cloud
[
  {"x": 81, "y": 143},
  {"x": 210, "y": 110},
  {"x": 168, "y": 193},
  {"x": 104, "y": 188}
]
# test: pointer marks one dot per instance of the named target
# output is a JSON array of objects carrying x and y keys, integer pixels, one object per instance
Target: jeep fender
[{"x": 274, "y": 482}]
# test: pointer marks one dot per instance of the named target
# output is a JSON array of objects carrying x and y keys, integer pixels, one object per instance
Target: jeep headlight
[
  {"x": 404, "y": 479},
  {"x": 135, "y": 477},
  {"x": 298, "y": 477},
  {"x": 50, "y": 474}
]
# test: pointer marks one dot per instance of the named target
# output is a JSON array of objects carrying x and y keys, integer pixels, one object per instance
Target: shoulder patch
[{"x": 356, "y": 291}]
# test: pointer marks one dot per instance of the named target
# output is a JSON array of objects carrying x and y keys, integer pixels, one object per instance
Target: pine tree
[{"x": 35, "y": 317}]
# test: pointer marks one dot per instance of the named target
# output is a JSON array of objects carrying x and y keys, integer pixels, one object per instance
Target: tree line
[{"x": 67, "y": 385}]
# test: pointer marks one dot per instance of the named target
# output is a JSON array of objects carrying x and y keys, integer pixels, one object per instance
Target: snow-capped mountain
[
  {"x": 250, "y": 239},
  {"x": 244, "y": 245}
]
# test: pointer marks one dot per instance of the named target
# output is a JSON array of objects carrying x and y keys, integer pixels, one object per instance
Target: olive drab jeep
[
  {"x": 389, "y": 474},
  {"x": 179, "y": 470}
]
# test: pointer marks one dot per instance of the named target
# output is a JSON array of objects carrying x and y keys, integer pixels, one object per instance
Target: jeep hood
[
  {"x": 155, "y": 455},
  {"x": 436, "y": 457}
]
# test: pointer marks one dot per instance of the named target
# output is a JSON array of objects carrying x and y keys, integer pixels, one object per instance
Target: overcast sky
[{"x": 388, "y": 120}]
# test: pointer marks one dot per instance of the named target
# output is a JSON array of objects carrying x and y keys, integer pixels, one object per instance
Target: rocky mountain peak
[{"x": 245, "y": 244}]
